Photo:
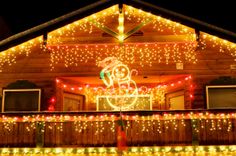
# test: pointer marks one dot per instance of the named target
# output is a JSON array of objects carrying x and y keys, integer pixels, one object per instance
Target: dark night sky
[{"x": 20, "y": 15}]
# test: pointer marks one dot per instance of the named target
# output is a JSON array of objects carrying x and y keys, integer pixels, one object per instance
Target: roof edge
[
  {"x": 185, "y": 20},
  {"x": 103, "y": 4},
  {"x": 54, "y": 24}
]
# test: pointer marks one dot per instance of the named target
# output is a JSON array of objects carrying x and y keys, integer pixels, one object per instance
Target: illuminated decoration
[
  {"x": 121, "y": 27},
  {"x": 10, "y": 55},
  {"x": 98, "y": 151},
  {"x": 86, "y": 25},
  {"x": 71, "y": 53},
  {"x": 156, "y": 91},
  {"x": 158, "y": 94},
  {"x": 52, "y": 103},
  {"x": 142, "y": 54},
  {"x": 115, "y": 72},
  {"x": 143, "y": 102},
  {"x": 223, "y": 46},
  {"x": 63, "y": 46},
  {"x": 201, "y": 122},
  {"x": 102, "y": 18}
]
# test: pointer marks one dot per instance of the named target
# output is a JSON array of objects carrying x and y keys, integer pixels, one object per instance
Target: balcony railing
[{"x": 96, "y": 129}]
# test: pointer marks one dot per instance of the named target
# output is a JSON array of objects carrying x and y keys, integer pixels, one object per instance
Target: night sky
[{"x": 20, "y": 15}]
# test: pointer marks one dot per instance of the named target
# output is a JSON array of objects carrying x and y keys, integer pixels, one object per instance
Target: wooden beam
[
  {"x": 137, "y": 28},
  {"x": 108, "y": 40},
  {"x": 104, "y": 28}
]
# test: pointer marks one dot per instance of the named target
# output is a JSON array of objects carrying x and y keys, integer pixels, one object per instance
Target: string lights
[
  {"x": 65, "y": 47},
  {"x": 223, "y": 46},
  {"x": 97, "y": 151},
  {"x": 140, "y": 53},
  {"x": 144, "y": 53},
  {"x": 157, "y": 91},
  {"x": 220, "y": 122},
  {"x": 9, "y": 56},
  {"x": 84, "y": 25}
]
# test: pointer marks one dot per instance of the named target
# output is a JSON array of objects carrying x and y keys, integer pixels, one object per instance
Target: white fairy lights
[
  {"x": 9, "y": 56},
  {"x": 141, "y": 53},
  {"x": 64, "y": 46}
]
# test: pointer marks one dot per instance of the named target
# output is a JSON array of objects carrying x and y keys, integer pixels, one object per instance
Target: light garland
[
  {"x": 140, "y": 53},
  {"x": 183, "y": 150},
  {"x": 157, "y": 23},
  {"x": 223, "y": 46},
  {"x": 131, "y": 14},
  {"x": 85, "y": 25},
  {"x": 99, "y": 124},
  {"x": 10, "y": 55},
  {"x": 72, "y": 55},
  {"x": 79, "y": 53},
  {"x": 157, "y": 91}
]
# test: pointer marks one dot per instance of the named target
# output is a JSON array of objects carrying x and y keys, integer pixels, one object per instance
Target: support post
[{"x": 39, "y": 136}]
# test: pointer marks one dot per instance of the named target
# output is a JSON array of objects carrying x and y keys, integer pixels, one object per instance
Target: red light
[
  {"x": 51, "y": 108},
  {"x": 191, "y": 96},
  {"x": 52, "y": 100},
  {"x": 57, "y": 80}
]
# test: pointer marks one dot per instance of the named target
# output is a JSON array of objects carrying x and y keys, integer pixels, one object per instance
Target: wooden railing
[{"x": 143, "y": 128}]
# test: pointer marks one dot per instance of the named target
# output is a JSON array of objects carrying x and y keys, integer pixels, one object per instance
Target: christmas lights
[
  {"x": 166, "y": 150},
  {"x": 72, "y": 53},
  {"x": 157, "y": 91},
  {"x": 115, "y": 72},
  {"x": 223, "y": 46},
  {"x": 143, "y": 54},
  {"x": 213, "y": 121},
  {"x": 9, "y": 56},
  {"x": 82, "y": 53}
]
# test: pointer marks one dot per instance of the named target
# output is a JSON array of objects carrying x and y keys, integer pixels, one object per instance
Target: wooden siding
[{"x": 99, "y": 129}]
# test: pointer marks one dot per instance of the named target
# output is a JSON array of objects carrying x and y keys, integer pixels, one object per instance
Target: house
[{"x": 88, "y": 66}]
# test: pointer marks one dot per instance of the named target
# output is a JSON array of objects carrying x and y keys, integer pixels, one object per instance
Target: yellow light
[
  {"x": 80, "y": 150},
  {"x": 121, "y": 18},
  {"x": 121, "y": 38},
  {"x": 167, "y": 149},
  {"x": 26, "y": 150},
  {"x": 101, "y": 150},
  {"x": 157, "y": 149},
  {"x": 58, "y": 150},
  {"x": 189, "y": 149},
  {"x": 121, "y": 29},
  {"x": 134, "y": 149},
  {"x": 15, "y": 151}
]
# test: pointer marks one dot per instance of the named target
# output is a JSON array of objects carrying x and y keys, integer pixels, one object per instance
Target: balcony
[{"x": 98, "y": 129}]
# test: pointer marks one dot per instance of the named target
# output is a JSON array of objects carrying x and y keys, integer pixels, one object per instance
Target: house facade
[{"x": 108, "y": 58}]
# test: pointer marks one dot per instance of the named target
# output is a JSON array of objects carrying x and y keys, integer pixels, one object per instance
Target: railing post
[
  {"x": 39, "y": 136},
  {"x": 195, "y": 129}
]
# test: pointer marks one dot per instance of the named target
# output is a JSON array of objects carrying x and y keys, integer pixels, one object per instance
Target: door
[{"x": 175, "y": 100}]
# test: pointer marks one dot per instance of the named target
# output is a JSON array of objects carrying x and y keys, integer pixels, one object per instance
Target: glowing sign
[{"x": 115, "y": 75}]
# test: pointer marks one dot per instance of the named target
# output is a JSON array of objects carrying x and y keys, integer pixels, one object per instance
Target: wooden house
[{"x": 156, "y": 63}]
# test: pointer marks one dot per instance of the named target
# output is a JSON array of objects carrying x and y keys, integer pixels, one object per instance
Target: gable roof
[{"x": 100, "y": 5}]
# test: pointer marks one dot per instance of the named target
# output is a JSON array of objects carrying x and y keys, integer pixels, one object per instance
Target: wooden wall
[{"x": 36, "y": 68}]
